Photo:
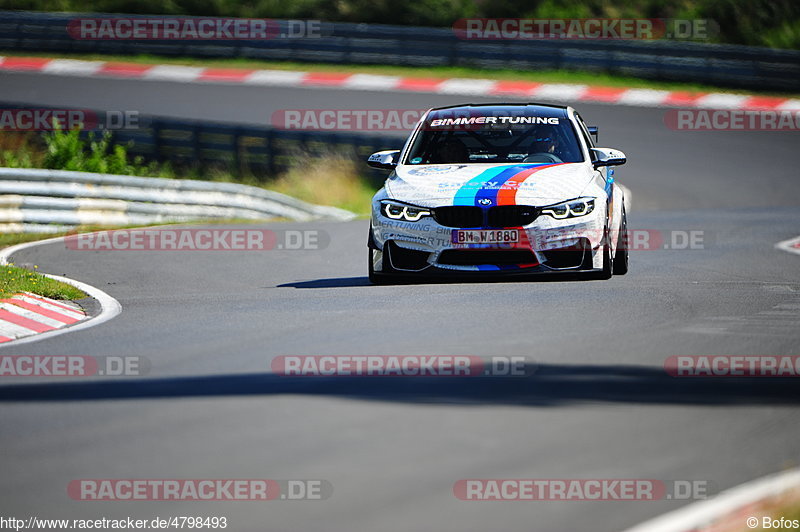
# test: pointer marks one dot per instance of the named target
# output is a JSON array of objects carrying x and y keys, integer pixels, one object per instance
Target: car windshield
[{"x": 494, "y": 135}]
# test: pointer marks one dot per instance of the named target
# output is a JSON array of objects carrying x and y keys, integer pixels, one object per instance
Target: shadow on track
[
  {"x": 344, "y": 282},
  {"x": 337, "y": 282},
  {"x": 549, "y": 385}
]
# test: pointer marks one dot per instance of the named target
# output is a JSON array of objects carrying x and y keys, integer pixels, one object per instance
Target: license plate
[{"x": 485, "y": 236}]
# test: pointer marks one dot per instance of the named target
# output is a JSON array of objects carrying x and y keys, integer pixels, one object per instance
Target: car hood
[{"x": 440, "y": 185}]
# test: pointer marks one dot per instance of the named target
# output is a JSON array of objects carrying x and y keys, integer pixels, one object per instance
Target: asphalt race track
[{"x": 599, "y": 404}]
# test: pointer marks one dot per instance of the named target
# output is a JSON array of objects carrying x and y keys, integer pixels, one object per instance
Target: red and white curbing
[
  {"x": 26, "y": 314},
  {"x": 455, "y": 86},
  {"x": 109, "y": 307}
]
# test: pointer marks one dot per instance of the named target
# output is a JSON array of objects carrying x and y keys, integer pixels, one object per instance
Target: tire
[{"x": 621, "y": 256}]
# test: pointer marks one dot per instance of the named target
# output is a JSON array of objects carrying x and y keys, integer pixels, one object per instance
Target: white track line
[
  {"x": 792, "y": 245},
  {"x": 703, "y": 513},
  {"x": 109, "y": 307}
]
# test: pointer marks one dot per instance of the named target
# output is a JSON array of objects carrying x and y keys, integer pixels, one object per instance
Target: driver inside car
[{"x": 544, "y": 148}]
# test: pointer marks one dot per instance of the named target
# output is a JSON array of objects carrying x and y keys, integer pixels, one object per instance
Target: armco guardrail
[
  {"x": 51, "y": 200},
  {"x": 728, "y": 65}
]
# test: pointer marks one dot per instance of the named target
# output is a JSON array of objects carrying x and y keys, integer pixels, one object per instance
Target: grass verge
[
  {"x": 539, "y": 76},
  {"x": 14, "y": 280},
  {"x": 12, "y": 239}
]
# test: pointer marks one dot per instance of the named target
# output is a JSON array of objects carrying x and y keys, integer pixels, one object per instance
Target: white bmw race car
[{"x": 498, "y": 189}]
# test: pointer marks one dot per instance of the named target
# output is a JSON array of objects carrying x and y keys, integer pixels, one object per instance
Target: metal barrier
[
  {"x": 726, "y": 65},
  {"x": 34, "y": 200}
]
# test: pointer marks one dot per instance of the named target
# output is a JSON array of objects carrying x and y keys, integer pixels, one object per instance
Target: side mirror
[
  {"x": 595, "y": 132},
  {"x": 608, "y": 157},
  {"x": 385, "y": 160}
]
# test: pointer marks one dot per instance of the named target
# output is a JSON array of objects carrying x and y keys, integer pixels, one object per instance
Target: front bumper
[{"x": 546, "y": 245}]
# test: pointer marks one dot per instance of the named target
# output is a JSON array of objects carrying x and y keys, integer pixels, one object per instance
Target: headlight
[
  {"x": 570, "y": 209},
  {"x": 401, "y": 211}
]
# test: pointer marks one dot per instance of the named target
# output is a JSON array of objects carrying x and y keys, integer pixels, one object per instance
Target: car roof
[{"x": 539, "y": 109}]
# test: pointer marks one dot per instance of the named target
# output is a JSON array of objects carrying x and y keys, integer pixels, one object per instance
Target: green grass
[
  {"x": 14, "y": 280},
  {"x": 11, "y": 239},
  {"x": 543, "y": 76}
]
